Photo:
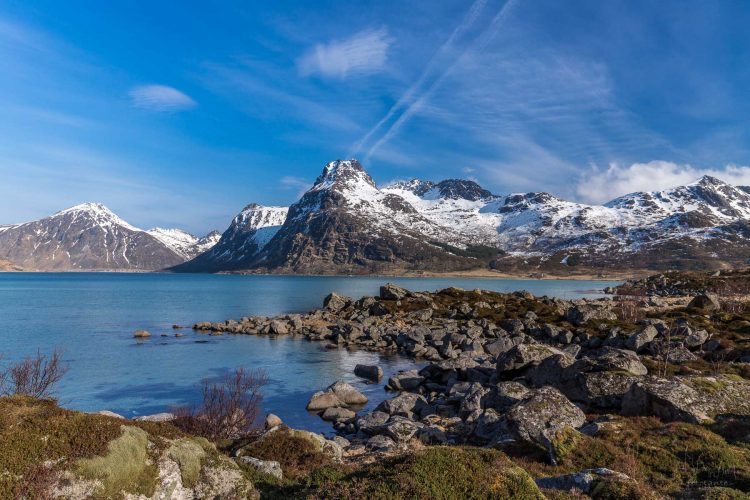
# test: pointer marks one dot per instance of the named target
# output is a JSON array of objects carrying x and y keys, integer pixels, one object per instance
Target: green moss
[
  {"x": 440, "y": 473},
  {"x": 189, "y": 454},
  {"x": 565, "y": 443},
  {"x": 125, "y": 467}
]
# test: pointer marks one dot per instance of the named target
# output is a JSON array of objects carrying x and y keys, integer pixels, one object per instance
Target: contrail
[
  {"x": 469, "y": 19},
  {"x": 481, "y": 42}
]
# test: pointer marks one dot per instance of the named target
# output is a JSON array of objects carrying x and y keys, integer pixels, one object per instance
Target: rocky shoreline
[{"x": 513, "y": 369}]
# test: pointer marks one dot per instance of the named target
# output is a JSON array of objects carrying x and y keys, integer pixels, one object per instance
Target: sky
[{"x": 178, "y": 114}]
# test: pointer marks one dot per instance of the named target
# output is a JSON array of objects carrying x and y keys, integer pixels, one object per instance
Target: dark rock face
[{"x": 87, "y": 236}]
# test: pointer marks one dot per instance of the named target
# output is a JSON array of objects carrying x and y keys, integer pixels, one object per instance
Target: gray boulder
[
  {"x": 706, "y": 302},
  {"x": 405, "y": 404},
  {"x": 270, "y": 467},
  {"x": 401, "y": 429},
  {"x": 524, "y": 356},
  {"x": 389, "y": 291},
  {"x": 641, "y": 339},
  {"x": 347, "y": 394},
  {"x": 370, "y": 423},
  {"x": 670, "y": 400},
  {"x": 697, "y": 338},
  {"x": 407, "y": 380},
  {"x": 581, "y": 314},
  {"x": 543, "y": 417},
  {"x": 582, "y": 482},
  {"x": 370, "y": 372},
  {"x": 337, "y": 414},
  {"x": 380, "y": 443},
  {"x": 335, "y": 302},
  {"x": 322, "y": 400}
]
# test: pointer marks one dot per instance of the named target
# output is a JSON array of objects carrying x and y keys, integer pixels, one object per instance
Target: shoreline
[{"x": 476, "y": 274}]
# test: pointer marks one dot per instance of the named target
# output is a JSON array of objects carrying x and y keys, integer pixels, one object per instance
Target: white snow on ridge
[{"x": 99, "y": 213}]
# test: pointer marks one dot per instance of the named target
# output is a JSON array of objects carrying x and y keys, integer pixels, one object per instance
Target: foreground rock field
[
  {"x": 518, "y": 397},
  {"x": 550, "y": 382}
]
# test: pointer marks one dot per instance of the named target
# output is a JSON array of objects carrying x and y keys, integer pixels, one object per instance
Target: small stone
[{"x": 141, "y": 334}]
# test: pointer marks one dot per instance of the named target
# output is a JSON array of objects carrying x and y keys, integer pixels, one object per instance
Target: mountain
[
  {"x": 345, "y": 224},
  {"x": 246, "y": 236},
  {"x": 85, "y": 237},
  {"x": 183, "y": 243}
]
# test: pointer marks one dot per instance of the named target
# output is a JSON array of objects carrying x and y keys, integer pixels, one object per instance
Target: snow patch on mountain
[{"x": 183, "y": 243}]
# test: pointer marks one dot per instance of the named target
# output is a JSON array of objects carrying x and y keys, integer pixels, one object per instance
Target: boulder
[
  {"x": 347, "y": 394},
  {"x": 524, "y": 356},
  {"x": 156, "y": 417},
  {"x": 543, "y": 417},
  {"x": 370, "y": 423},
  {"x": 641, "y": 339},
  {"x": 706, "y": 302},
  {"x": 141, "y": 334},
  {"x": 401, "y": 429},
  {"x": 270, "y": 467},
  {"x": 323, "y": 400},
  {"x": 697, "y": 338},
  {"x": 370, "y": 372},
  {"x": 408, "y": 380},
  {"x": 611, "y": 359},
  {"x": 335, "y": 302},
  {"x": 336, "y": 414},
  {"x": 380, "y": 443},
  {"x": 389, "y": 291},
  {"x": 581, "y": 314},
  {"x": 272, "y": 421},
  {"x": 669, "y": 400},
  {"x": 507, "y": 394},
  {"x": 278, "y": 327},
  {"x": 108, "y": 413},
  {"x": 405, "y": 404},
  {"x": 580, "y": 482}
]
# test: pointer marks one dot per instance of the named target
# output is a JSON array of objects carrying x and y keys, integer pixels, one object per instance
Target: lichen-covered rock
[
  {"x": 542, "y": 416},
  {"x": 640, "y": 340},
  {"x": 405, "y": 404},
  {"x": 582, "y": 314},
  {"x": 270, "y": 467},
  {"x": 523, "y": 356},
  {"x": 322, "y": 400},
  {"x": 667, "y": 399},
  {"x": 706, "y": 302}
]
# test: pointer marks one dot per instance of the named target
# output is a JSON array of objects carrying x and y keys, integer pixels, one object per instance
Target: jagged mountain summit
[
  {"x": 86, "y": 237},
  {"x": 246, "y": 236}
]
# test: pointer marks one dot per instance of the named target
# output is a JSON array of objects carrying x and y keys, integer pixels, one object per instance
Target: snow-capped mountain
[
  {"x": 85, "y": 237},
  {"x": 184, "y": 243},
  {"x": 247, "y": 235},
  {"x": 344, "y": 223}
]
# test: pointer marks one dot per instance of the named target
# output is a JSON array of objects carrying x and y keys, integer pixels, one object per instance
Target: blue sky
[{"x": 180, "y": 113}]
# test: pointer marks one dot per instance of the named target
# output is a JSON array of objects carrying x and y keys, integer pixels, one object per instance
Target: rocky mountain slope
[
  {"x": 247, "y": 235},
  {"x": 91, "y": 237}
]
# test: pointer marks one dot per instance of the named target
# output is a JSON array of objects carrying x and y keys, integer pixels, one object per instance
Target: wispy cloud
[
  {"x": 440, "y": 66},
  {"x": 364, "y": 53},
  {"x": 602, "y": 185},
  {"x": 160, "y": 98},
  {"x": 298, "y": 183}
]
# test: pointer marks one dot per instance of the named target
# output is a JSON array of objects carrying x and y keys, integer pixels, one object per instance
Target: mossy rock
[{"x": 125, "y": 467}]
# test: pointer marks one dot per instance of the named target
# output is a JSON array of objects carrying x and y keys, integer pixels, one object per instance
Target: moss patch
[
  {"x": 125, "y": 467},
  {"x": 189, "y": 454}
]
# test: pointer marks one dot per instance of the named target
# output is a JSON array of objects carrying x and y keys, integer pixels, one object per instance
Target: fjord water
[{"x": 91, "y": 317}]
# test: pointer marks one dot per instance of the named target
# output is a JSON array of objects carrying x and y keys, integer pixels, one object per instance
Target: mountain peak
[
  {"x": 708, "y": 180},
  {"x": 462, "y": 189},
  {"x": 341, "y": 174},
  {"x": 98, "y": 212}
]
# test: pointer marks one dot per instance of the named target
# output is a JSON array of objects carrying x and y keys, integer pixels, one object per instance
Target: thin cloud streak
[
  {"x": 364, "y": 53},
  {"x": 160, "y": 98},
  {"x": 479, "y": 44}
]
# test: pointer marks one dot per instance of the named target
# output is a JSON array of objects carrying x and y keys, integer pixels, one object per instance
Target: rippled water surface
[{"x": 92, "y": 317}]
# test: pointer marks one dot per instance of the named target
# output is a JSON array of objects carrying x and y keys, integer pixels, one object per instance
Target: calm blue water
[{"x": 92, "y": 317}]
